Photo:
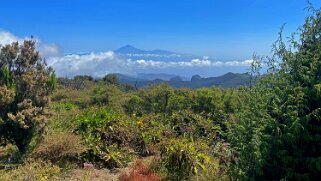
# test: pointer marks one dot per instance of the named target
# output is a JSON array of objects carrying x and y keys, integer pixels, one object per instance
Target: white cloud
[
  {"x": 95, "y": 64},
  {"x": 102, "y": 63},
  {"x": 191, "y": 63},
  {"x": 7, "y": 38},
  {"x": 45, "y": 49}
]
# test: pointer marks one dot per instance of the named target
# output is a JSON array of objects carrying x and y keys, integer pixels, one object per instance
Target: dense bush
[
  {"x": 25, "y": 86},
  {"x": 278, "y": 134},
  {"x": 106, "y": 137}
]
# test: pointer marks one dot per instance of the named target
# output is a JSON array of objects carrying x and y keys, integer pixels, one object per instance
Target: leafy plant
[
  {"x": 105, "y": 137},
  {"x": 183, "y": 159}
]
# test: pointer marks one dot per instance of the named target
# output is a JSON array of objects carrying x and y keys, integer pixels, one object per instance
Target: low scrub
[
  {"x": 59, "y": 147},
  {"x": 32, "y": 170}
]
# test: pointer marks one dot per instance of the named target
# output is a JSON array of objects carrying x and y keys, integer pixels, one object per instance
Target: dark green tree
[{"x": 111, "y": 79}]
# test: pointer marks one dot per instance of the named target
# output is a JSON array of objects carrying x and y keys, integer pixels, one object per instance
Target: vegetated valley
[{"x": 85, "y": 129}]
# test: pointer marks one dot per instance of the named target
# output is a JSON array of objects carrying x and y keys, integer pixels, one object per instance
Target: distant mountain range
[
  {"x": 130, "y": 52},
  {"x": 228, "y": 80}
]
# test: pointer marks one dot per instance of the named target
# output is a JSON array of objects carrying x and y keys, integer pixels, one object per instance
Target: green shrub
[
  {"x": 106, "y": 137},
  {"x": 33, "y": 171},
  {"x": 8, "y": 154},
  {"x": 134, "y": 105},
  {"x": 147, "y": 132},
  {"x": 189, "y": 124},
  {"x": 184, "y": 159}
]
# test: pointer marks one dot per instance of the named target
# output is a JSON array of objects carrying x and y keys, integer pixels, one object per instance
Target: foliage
[
  {"x": 111, "y": 79},
  {"x": 104, "y": 136},
  {"x": 25, "y": 86},
  {"x": 84, "y": 77},
  {"x": 278, "y": 134},
  {"x": 183, "y": 158},
  {"x": 156, "y": 99},
  {"x": 9, "y": 154},
  {"x": 32, "y": 170}
]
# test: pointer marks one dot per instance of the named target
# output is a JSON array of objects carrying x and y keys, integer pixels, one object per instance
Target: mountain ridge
[{"x": 228, "y": 80}]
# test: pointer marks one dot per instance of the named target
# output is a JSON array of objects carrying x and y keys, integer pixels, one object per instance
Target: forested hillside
[
  {"x": 229, "y": 80},
  {"x": 84, "y": 129}
]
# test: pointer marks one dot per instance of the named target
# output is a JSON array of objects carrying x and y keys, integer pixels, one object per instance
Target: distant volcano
[{"x": 128, "y": 49}]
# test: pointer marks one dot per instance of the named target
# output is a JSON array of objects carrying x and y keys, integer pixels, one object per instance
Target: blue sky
[{"x": 222, "y": 29}]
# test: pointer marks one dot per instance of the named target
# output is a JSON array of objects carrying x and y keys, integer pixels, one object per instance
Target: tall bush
[{"x": 25, "y": 87}]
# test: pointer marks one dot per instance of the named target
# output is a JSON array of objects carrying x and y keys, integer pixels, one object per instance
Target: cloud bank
[
  {"x": 102, "y": 63},
  {"x": 192, "y": 63}
]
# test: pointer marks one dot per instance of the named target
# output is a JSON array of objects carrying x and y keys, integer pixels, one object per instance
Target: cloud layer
[
  {"x": 192, "y": 63},
  {"x": 102, "y": 63}
]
